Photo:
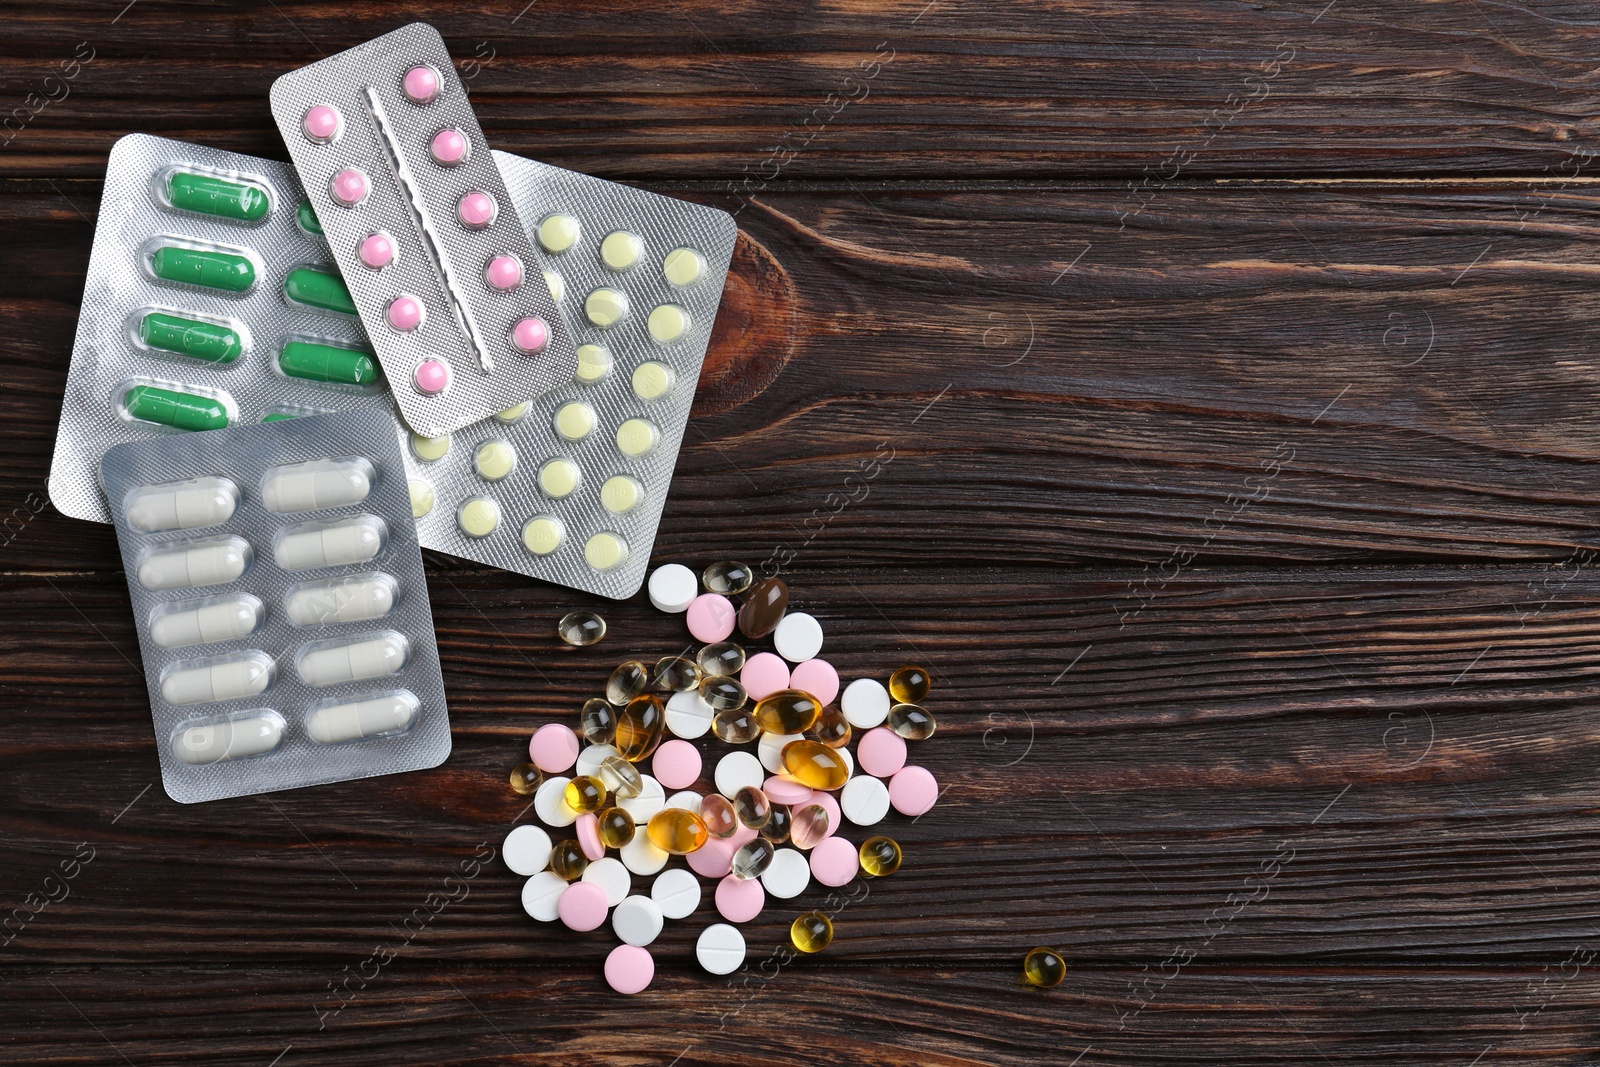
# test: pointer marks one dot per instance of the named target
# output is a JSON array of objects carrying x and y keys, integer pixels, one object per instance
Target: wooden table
[{"x": 1206, "y": 392}]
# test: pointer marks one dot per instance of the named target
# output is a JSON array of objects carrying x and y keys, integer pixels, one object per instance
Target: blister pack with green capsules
[
  {"x": 280, "y": 602},
  {"x": 211, "y": 300},
  {"x": 569, "y": 486}
]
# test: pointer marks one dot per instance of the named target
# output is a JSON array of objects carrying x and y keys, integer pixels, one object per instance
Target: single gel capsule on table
[
  {"x": 353, "y": 661},
  {"x": 169, "y": 407},
  {"x": 230, "y": 739},
  {"x": 222, "y": 620},
  {"x": 316, "y": 362},
  {"x": 210, "y": 563},
  {"x": 212, "y": 195},
  {"x": 339, "y": 545},
  {"x": 207, "y": 341},
  {"x": 207, "y": 268},
  {"x": 362, "y": 718},
  {"x": 188, "y": 505},
  {"x": 231, "y": 679},
  {"x": 345, "y": 600},
  {"x": 314, "y": 485}
]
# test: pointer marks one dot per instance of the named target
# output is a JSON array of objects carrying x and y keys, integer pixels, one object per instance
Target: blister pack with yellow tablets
[
  {"x": 280, "y": 603},
  {"x": 211, "y": 300},
  {"x": 569, "y": 486}
]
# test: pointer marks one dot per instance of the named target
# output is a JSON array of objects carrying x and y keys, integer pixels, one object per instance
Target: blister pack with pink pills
[{"x": 423, "y": 229}]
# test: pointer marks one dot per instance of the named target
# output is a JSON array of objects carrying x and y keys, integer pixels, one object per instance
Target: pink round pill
[
  {"x": 741, "y": 899},
  {"x": 503, "y": 273},
  {"x": 404, "y": 313},
  {"x": 589, "y": 836},
  {"x": 476, "y": 210},
  {"x": 710, "y": 617},
  {"x": 431, "y": 376},
  {"x": 763, "y": 673},
  {"x": 817, "y": 677},
  {"x": 629, "y": 969},
  {"x": 881, "y": 752},
  {"x": 912, "y": 791},
  {"x": 422, "y": 84},
  {"x": 448, "y": 147},
  {"x": 376, "y": 251},
  {"x": 833, "y": 862},
  {"x": 582, "y": 906},
  {"x": 321, "y": 124},
  {"x": 781, "y": 790},
  {"x": 676, "y": 764},
  {"x": 349, "y": 187},
  {"x": 830, "y": 804},
  {"x": 530, "y": 334},
  {"x": 714, "y": 859},
  {"x": 553, "y": 748}
]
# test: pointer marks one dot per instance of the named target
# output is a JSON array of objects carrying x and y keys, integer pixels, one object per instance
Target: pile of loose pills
[{"x": 779, "y": 796}]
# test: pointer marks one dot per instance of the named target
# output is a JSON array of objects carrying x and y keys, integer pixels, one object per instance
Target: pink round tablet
[
  {"x": 404, "y": 313},
  {"x": 714, "y": 859},
  {"x": 431, "y": 376},
  {"x": 349, "y": 187},
  {"x": 530, "y": 334},
  {"x": 763, "y": 674},
  {"x": 376, "y": 251},
  {"x": 676, "y": 764},
  {"x": 321, "y": 124},
  {"x": 743, "y": 835},
  {"x": 833, "y": 862},
  {"x": 881, "y": 752},
  {"x": 710, "y": 617},
  {"x": 817, "y": 677},
  {"x": 629, "y": 969},
  {"x": 553, "y": 748},
  {"x": 476, "y": 210},
  {"x": 741, "y": 899},
  {"x": 781, "y": 790},
  {"x": 589, "y": 836},
  {"x": 448, "y": 147},
  {"x": 582, "y": 906},
  {"x": 503, "y": 273},
  {"x": 912, "y": 791},
  {"x": 830, "y": 804},
  {"x": 422, "y": 84}
]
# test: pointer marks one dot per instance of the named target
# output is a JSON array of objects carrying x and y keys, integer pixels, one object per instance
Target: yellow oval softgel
[
  {"x": 585, "y": 793},
  {"x": 815, "y": 765},
  {"x": 909, "y": 685},
  {"x": 639, "y": 727},
  {"x": 678, "y": 831},
  {"x": 615, "y": 827},
  {"x": 880, "y": 856},
  {"x": 788, "y": 711},
  {"x": 1044, "y": 967},
  {"x": 811, "y": 932}
]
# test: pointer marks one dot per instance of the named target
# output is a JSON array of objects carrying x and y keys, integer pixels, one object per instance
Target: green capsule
[
  {"x": 277, "y": 416},
  {"x": 190, "y": 337},
  {"x": 326, "y": 363},
  {"x": 217, "y": 196},
  {"x": 185, "y": 411},
  {"x": 214, "y": 270},
  {"x": 319, "y": 289},
  {"x": 307, "y": 218}
]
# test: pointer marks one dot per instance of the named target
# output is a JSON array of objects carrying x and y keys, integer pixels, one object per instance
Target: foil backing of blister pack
[
  {"x": 385, "y": 135},
  {"x": 119, "y": 289},
  {"x": 242, "y": 455},
  {"x": 662, "y": 225}
]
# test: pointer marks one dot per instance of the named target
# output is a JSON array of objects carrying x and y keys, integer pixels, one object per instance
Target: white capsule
[
  {"x": 306, "y": 486},
  {"x": 233, "y": 739},
  {"x": 212, "y": 563},
  {"x": 183, "y": 505},
  {"x": 222, "y": 621},
  {"x": 354, "y": 662},
  {"x": 349, "y": 600},
  {"x": 352, "y": 541},
  {"x": 362, "y": 718},
  {"x": 231, "y": 679}
]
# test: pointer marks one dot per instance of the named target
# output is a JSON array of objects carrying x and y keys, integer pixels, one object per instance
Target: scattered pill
[
  {"x": 864, "y": 800},
  {"x": 834, "y": 862},
  {"x": 540, "y": 895},
  {"x": 714, "y": 859},
  {"x": 737, "y": 770},
  {"x": 881, "y": 752},
  {"x": 816, "y": 765},
  {"x": 629, "y": 969},
  {"x": 763, "y": 675},
  {"x": 676, "y": 893},
  {"x": 763, "y": 607},
  {"x": 642, "y": 857},
  {"x": 553, "y": 748},
  {"x": 830, "y": 806},
  {"x": 788, "y": 711},
  {"x": 798, "y": 637},
  {"x": 526, "y": 778},
  {"x": 739, "y": 900},
  {"x": 880, "y": 856},
  {"x": 568, "y": 860},
  {"x": 585, "y": 794},
  {"x": 811, "y": 932},
  {"x": 526, "y": 850},
  {"x": 720, "y": 949},
  {"x": 720, "y": 817},
  {"x": 676, "y": 764},
  {"x": 582, "y": 906},
  {"x": 710, "y": 618},
  {"x": 1044, "y": 967},
  {"x": 611, "y": 875},
  {"x": 616, "y": 827},
  {"x": 817, "y": 677},
  {"x": 913, "y": 791},
  {"x": 770, "y": 751},
  {"x": 866, "y": 703},
  {"x": 909, "y": 685},
  {"x": 688, "y": 716},
  {"x": 581, "y": 628},
  {"x": 784, "y": 790},
  {"x": 912, "y": 722},
  {"x": 651, "y": 799},
  {"x": 673, "y": 587},
  {"x": 637, "y": 920},
  {"x": 550, "y": 804},
  {"x": 687, "y": 799}
]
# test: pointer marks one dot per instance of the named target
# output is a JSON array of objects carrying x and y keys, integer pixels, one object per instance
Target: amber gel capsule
[
  {"x": 678, "y": 831},
  {"x": 815, "y": 765},
  {"x": 763, "y": 606},
  {"x": 1044, "y": 967},
  {"x": 788, "y": 711},
  {"x": 639, "y": 727}
]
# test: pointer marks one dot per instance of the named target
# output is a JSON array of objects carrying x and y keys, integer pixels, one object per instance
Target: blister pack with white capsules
[
  {"x": 569, "y": 486},
  {"x": 211, "y": 300},
  {"x": 280, "y": 602},
  {"x": 419, "y": 220}
]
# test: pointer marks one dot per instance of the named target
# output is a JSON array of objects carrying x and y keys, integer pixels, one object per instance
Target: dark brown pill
[{"x": 763, "y": 606}]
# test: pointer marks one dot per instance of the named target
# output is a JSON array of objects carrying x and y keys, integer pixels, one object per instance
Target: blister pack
[
  {"x": 391, "y": 154},
  {"x": 569, "y": 486},
  {"x": 210, "y": 300},
  {"x": 282, "y": 611}
]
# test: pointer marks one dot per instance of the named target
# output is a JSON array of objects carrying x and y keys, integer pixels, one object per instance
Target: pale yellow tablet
[
  {"x": 621, "y": 250},
  {"x": 543, "y": 534},
  {"x": 429, "y": 449},
  {"x": 605, "y": 550},
  {"x": 594, "y": 363},
  {"x": 478, "y": 517},
  {"x": 559, "y": 477},
  {"x": 557, "y": 233},
  {"x": 668, "y": 323},
  {"x": 621, "y": 494},
  {"x": 606, "y": 307},
  {"x": 494, "y": 460},
  {"x": 652, "y": 380},
  {"x": 683, "y": 266},
  {"x": 574, "y": 420},
  {"x": 515, "y": 414},
  {"x": 637, "y": 437},
  {"x": 422, "y": 498},
  {"x": 557, "y": 285}
]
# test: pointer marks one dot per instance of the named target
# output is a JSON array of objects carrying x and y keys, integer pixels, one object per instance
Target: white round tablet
[
  {"x": 865, "y": 800},
  {"x": 787, "y": 875},
  {"x": 540, "y": 893},
  {"x": 527, "y": 850},
  {"x": 609, "y": 874},
  {"x": 798, "y": 637},
  {"x": 720, "y": 949},
  {"x": 637, "y": 920},
  {"x": 651, "y": 799},
  {"x": 590, "y": 758},
  {"x": 673, "y": 586},
  {"x": 865, "y": 703},
  {"x": 770, "y": 749},
  {"x": 642, "y": 857},
  {"x": 676, "y": 893},
  {"x": 687, "y": 799},
  {"x": 737, "y": 770},
  {"x": 550, "y": 802},
  {"x": 688, "y": 716}
]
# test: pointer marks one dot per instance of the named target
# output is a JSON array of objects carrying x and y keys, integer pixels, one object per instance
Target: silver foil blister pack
[
  {"x": 418, "y": 218},
  {"x": 280, "y": 602},
  {"x": 569, "y": 486},
  {"x": 234, "y": 237}
]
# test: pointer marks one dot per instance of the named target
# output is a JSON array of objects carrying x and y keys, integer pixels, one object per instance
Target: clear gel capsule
[
  {"x": 207, "y": 624},
  {"x": 233, "y": 739},
  {"x": 349, "y": 600},
  {"x": 352, "y": 541},
  {"x": 231, "y": 679},
  {"x": 212, "y": 563},
  {"x": 188, "y": 505},
  {"x": 318, "y": 484},
  {"x": 362, "y": 718},
  {"x": 581, "y": 628},
  {"x": 353, "y": 661}
]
